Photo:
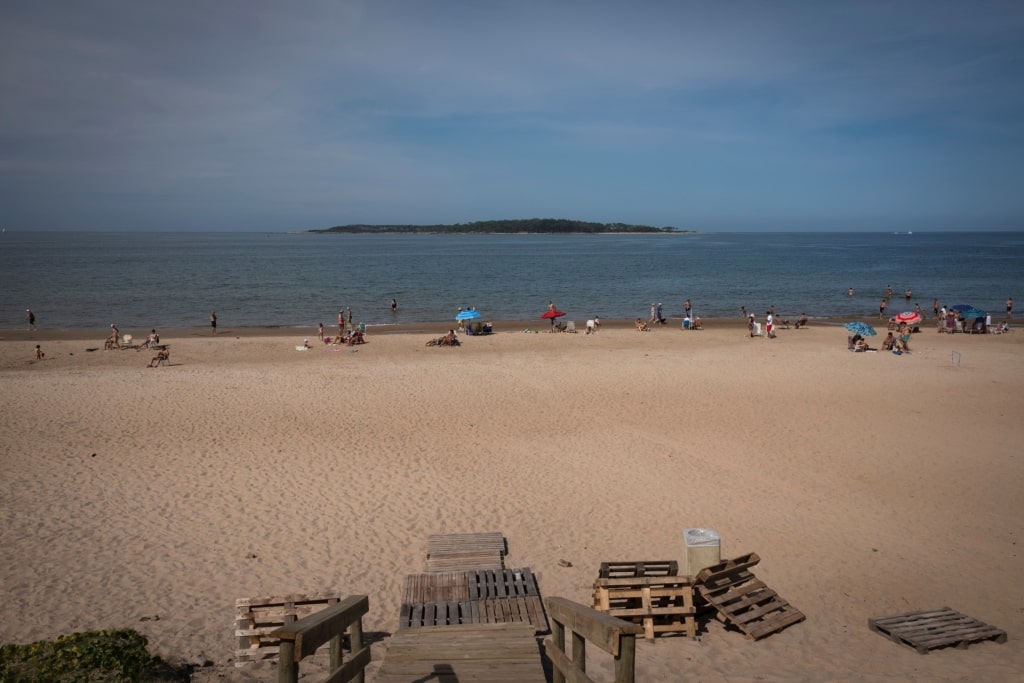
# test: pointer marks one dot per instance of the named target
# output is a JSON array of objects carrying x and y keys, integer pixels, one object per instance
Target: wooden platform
[
  {"x": 661, "y": 604},
  {"x": 473, "y": 653},
  {"x": 743, "y": 600},
  {"x": 927, "y": 630},
  {"x": 257, "y": 618},
  {"x": 460, "y": 552},
  {"x": 472, "y": 597}
]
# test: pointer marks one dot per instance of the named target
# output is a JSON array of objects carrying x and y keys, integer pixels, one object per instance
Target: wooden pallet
[
  {"x": 257, "y": 618},
  {"x": 472, "y": 597},
  {"x": 618, "y": 570},
  {"x": 743, "y": 600},
  {"x": 460, "y": 552},
  {"x": 929, "y": 629},
  {"x": 661, "y": 604}
]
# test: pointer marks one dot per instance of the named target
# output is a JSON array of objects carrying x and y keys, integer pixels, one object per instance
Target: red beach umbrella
[
  {"x": 909, "y": 317},
  {"x": 551, "y": 315}
]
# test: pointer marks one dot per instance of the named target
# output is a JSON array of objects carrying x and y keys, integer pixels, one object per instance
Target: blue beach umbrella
[
  {"x": 863, "y": 329},
  {"x": 468, "y": 315},
  {"x": 959, "y": 308}
]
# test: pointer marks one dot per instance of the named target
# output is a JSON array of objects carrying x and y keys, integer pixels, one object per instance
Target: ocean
[{"x": 74, "y": 280}]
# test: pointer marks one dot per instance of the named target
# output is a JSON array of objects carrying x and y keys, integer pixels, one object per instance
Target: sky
[{"x": 711, "y": 116}]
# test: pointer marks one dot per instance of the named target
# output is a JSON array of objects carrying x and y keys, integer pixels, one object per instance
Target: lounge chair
[
  {"x": 570, "y": 326},
  {"x": 126, "y": 342}
]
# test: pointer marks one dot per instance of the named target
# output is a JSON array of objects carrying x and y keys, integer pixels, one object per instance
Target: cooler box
[{"x": 703, "y": 549}]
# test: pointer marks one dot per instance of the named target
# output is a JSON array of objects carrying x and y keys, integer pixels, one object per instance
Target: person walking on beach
[
  {"x": 39, "y": 353},
  {"x": 394, "y": 305},
  {"x": 654, "y": 315},
  {"x": 213, "y": 322},
  {"x": 341, "y": 322},
  {"x": 31, "y": 317},
  {"x": 881, "y": 308},
  {"x": 320, "y": 332},
  {"x": 935, "y": 307}
]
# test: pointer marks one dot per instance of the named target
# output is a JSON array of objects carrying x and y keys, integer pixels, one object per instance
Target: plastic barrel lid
[{"x": 700, "y": 536}]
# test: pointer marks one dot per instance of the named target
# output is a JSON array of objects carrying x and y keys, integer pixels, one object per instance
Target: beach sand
[{"x": 869, "y": 484}]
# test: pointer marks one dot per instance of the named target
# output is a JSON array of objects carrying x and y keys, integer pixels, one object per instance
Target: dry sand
[{"x": 869, "y": 484}]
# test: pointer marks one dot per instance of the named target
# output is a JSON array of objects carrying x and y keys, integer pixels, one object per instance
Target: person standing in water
[
  {"x": 31, "y": 317},
  {"x": 394, "y": 305},
  {"x": 213, "y": 322}
]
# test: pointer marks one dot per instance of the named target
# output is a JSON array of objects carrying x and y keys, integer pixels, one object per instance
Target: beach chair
[
  {"x": 162, "y": 357},
  {"x": 570, "y": 326},
  {"x": 126, "y": 342}
]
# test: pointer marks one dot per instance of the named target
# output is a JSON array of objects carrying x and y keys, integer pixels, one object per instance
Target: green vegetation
[
  {"x": 528, "y": 225},
  {"x": 111, "y": 656}
]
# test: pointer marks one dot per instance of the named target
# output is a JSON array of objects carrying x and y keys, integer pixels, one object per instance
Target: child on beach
[{"x": 39, "y": 353}]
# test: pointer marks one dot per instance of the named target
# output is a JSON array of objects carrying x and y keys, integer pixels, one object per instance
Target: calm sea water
[{"x": 142, "y": 280}]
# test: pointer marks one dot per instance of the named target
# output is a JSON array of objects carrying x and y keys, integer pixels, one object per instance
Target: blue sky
[{"x": 255, "y": 115}]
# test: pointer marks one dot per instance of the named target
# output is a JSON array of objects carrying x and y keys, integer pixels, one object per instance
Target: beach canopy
[
  {"x": 974, "y": 313},
  {"x": 468, "y": 315},
  {"x": 863, "y": 329}
]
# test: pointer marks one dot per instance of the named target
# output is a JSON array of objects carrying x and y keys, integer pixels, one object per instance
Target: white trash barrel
[{"x": 703, "y": 549}]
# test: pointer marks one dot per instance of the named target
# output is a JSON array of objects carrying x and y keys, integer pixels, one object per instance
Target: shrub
[{"x": 109, "y": 656}]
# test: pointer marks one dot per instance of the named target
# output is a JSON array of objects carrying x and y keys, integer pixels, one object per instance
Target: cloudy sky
[{"x": 258, "y": 115}]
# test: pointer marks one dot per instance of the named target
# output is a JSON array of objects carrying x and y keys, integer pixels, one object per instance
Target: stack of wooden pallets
[
  {"x": 257, "y": 618},
  {"x": 648, "y": 593}
]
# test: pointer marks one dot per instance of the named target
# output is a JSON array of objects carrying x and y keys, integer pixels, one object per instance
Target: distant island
[{"x": 528, "y": 225}]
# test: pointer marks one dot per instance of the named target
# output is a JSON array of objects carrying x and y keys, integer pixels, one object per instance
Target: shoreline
[{"x": 433, "y": 327}]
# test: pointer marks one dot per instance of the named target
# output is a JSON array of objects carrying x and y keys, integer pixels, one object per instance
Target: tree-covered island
[{"x": 528, "y": 225}]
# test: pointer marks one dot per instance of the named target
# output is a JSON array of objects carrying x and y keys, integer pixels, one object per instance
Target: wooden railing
[
  {"x": 613, "y": 635},
  {"x": 301, "y": 638}
]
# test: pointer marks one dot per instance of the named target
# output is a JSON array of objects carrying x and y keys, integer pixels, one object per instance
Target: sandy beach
[{"x": 869, "y": 484}]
